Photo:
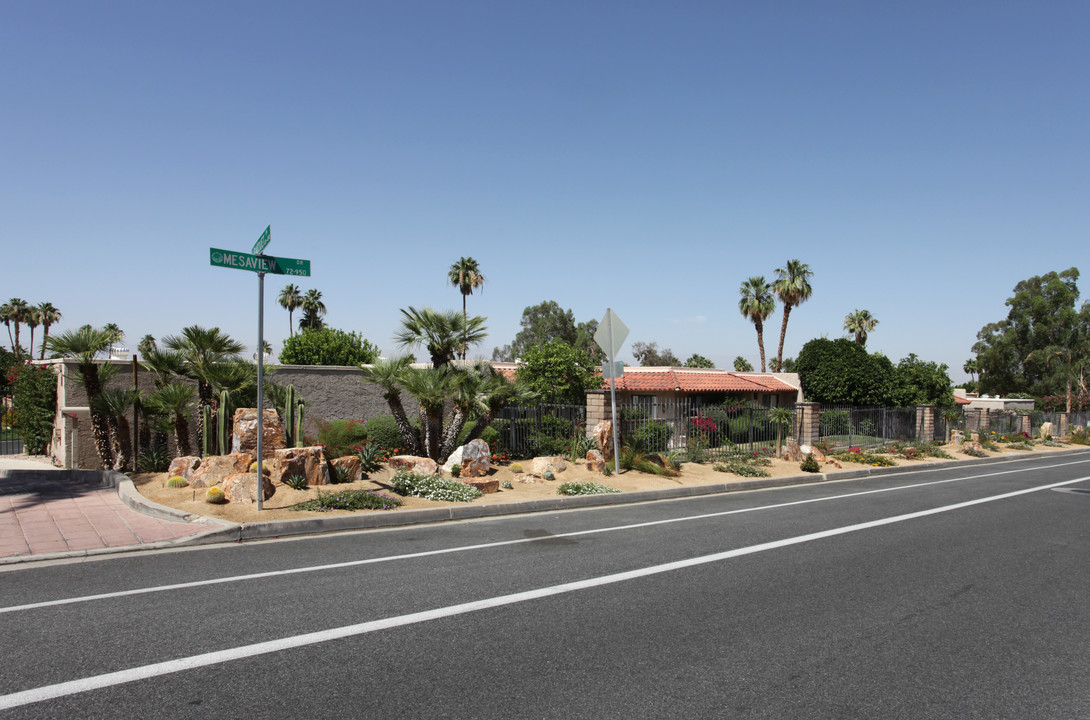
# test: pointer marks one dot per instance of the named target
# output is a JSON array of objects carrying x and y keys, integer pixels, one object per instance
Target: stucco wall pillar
[
  {"x": 925, "y": 423},
  {"x": 809, "y": 419}
]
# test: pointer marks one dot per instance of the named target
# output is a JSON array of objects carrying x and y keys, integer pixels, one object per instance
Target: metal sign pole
[
  {"x": 613, "y": 393},
  {"x": 260, "y": 389}
]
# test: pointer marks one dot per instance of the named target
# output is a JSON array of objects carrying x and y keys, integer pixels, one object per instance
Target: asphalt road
[{"x": 955, "y": 593}]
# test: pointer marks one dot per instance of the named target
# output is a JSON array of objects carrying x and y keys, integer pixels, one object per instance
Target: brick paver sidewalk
[{"x": 41, "y": 513}]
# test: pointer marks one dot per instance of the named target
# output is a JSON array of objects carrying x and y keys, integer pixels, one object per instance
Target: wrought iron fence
[
  {"x": 1005, "y": 423},
  {"x": 1037, "y": 419},
  {"x": 10, "y": 444},
  {"x": 848, "y": 426},
  {"x": 947, "y": 420},
  {"x": 538, "y": 430}
]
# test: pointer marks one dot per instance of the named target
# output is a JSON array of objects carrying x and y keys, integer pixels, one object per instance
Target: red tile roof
[{"x": 684, "y": 380}]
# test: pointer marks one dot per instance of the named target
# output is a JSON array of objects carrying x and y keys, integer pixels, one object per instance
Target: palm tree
[
  {"x": 291, "y": 300},
  {"x": 387, "y": 375},
  {"x": 313, "y": 310},
  {"x": 859, "y": 323},
  {"x": 83, "y": 345},
  {"x": 174, "y": 400},
  {"x": 431, "y": 387},
  {"x": 115, "y": 405},
  {"x": 466, "y": 276},
  {"x": 146, "y": 345},
  {"x": 792, "y": 287},
  {"x": 6, "y": 315},
  {"x": 49, "y": 316},
  {"x": 33, "y": 318},
  {"x": 201, "y": 349},
  {"x": 441, "y": 333},
  {"x": 756, "y": 305},
  {"x": 17, "y": 310},
  {"x": 116, "y": 333},
  {"x": 972, "y": 367}
]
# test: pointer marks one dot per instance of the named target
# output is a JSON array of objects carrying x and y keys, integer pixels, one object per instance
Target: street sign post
[
  {"x": 610, "y": 336},
  {"x": 260, "y": 264}
]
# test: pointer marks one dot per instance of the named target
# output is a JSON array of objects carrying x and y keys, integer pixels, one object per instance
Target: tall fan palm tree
[
  {"x": 6, "y": 317},
  {"x": 792, "y": 287},
  {"x": 291, "y": 300},
  {"x": 115, "y": 404},
  {"x": 83, "y": 345},
  {"x": 860, "y": 323},
  {"x": 756, "y": 305},
  {"x": 387, "y": 375},
  {"x": 441, "y": 333},
  {"x": 18, "y": 313},
  {"x": 466, "y": 276},
  {"x": 313, "y": 310},
  {"x": 49, "y": 316},
  {"x": 174, "y": 400},
  {"x": 201, "y": 350},
  {"x": 33, "y": 319}
]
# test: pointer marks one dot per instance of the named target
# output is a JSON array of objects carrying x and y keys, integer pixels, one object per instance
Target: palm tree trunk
[
  {"x": 478, "y": 427},
  {"x": 465, "y": 319},
  {"x": 16, "y": 348},
  {"x": 761, "y": 343},
  {"x": 123, "y": 461},
  {"x": 100, "y": 424},
  {"x": 783, "y": 334},
  {"x": 45, "y": 341},
  {"x": 181, "y": 434},
  {"x": 451, "y": 433},
  {"x": 408, "y": 433}
]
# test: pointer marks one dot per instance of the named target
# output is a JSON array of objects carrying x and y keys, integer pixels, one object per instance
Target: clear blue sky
[{"x": 921, "y": 157}]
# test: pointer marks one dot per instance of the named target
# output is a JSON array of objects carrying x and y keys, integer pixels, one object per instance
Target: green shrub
[
  {"x": 327, "y": 346},
  {"x": 341, "y": 437},
  {"x": 369, "y": 454},
  {"x": 155, "y": 459},
  {"x": 810, "y": 464},
  {"x": 865, "y": 459},
  {"x": 972, "y": 451},
  {"x": 296, "y": 482},
  {"x": 742, "y": 468},
  {"x": 584, "y": 488},
  {"x": 456, "y": 470},
  {"x": 652, "y": 436},
  {"x": 431, "y": 487},
  {"x": 349, "y": 500},
  {"x": 1080, "y": 437},
  {"x": 34, "y": 400},
  {"x": 382, "y": 430}
]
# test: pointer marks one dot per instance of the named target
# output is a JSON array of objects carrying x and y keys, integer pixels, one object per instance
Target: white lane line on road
[
  {"x": 96, "y": 682},
  {"x": 499, "y": 543}
]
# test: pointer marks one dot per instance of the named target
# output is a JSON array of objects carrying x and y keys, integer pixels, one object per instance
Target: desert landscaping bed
[{"x": 522, "y": 486}]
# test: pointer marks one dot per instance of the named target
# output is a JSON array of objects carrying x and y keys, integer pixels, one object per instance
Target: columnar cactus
[
  {"x": 299, "y": 439},
  {"x": 289, "y": 417},
  {"x": 223, "y": 425}
]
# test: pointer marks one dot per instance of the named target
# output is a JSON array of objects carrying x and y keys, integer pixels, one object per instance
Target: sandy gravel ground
[{"x": 278, "y": 507}]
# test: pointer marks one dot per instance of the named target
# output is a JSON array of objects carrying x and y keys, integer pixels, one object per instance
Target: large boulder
[
  {"x": 603, "y": 435},
  {"x": 542, "y": 465},
  {"x": 414, "y": 464},
  {"x": 183, "y": 466},
  {"x": 214, "y": 469},
  {"x": 1046, "y": 431},
  {"x": 351, "y": 469},
  {"x": 476, "y": 459},
  {"x": 242, "y": 488},
  {"x": 791, "y": 450},
  {"x": 596, "y": 462},
  {"x": 244, "y": 435},
  {"x": 485, "y": 486},
  {"x": 308, "y": 462}
]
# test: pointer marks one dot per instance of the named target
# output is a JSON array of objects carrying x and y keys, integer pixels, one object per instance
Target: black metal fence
[
  {"x": 10, "y": 444},
  {"x": 848, "y": 426},
  {"x": 539, "y": 430}
]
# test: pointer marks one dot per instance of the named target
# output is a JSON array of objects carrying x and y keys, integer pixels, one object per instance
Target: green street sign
[
  {"x": 263, "y": 241},
  {"x": 259, "y": 263}
]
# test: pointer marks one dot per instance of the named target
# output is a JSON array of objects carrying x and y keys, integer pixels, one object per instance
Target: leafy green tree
[
  {"x": 842, "y": 372},
  {"x": 291, "y": 300},
  {"x": 859, "y": 323},
  {"x": 546, "y": 322},
  {"x": 649, "y": 355},
  {"x": 756, "y": 305},
  {"x": 466, "y": 276},
  {"x": 1019, "y": 354},
  {"x": 557, "y": 372},
  {"x": 922, "y": 383},
  {"x": 698, "y": 361},
  {"x": 327, "y": 346},
  {"x": 442, "y": 334},
  {"x": 83, "y": 345},
  {"x": 34, "y": 401},
  {"x": 742, "y": 365},
  {"x": 792, "y": 287}
]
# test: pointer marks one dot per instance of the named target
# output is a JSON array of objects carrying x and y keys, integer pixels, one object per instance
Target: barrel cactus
[
  {"x": 215, "y": 496},
  {"x": 176, "y": 482}
]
